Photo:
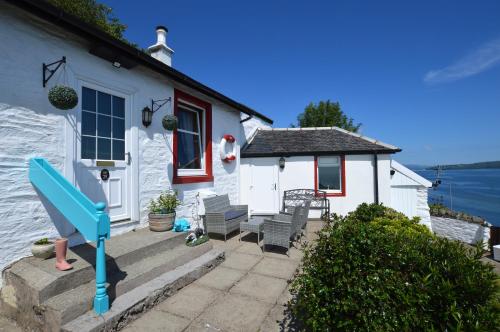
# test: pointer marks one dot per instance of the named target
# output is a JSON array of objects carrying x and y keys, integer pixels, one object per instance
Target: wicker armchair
[
  {"x": 280, "y": 230},
  {"x": 221, "y": 217}
]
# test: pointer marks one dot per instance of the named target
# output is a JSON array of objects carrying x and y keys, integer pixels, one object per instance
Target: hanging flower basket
[
  {"x": 169, "y": 122},
  {"x": 63, "y": 97}
]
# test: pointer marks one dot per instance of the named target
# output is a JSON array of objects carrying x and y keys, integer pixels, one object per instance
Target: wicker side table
[{"x": 254, "y": 225}]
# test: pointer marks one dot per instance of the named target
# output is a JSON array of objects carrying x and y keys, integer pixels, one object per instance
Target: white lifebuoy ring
[{"x": 227, "y": 157}]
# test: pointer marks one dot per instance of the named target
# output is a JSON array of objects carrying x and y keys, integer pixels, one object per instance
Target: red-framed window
[
  {"x": 192, "y": 139},
  {"x": 329, "y": 175}
]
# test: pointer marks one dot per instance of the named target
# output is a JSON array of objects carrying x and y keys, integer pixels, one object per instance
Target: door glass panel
[
  {"x": 103, "y": 103},
  {"x": 88, "y": 147},
  {"x": 118, "y": 149},
  {"x": 118, "y": 128},
  {"x": 99, "y": 129},
  {"x": 88, "y": 123},
  {"x": 104, "y": 148},
  {"x": 118, "y": 107},
  {"x": 88, "y": 99}
]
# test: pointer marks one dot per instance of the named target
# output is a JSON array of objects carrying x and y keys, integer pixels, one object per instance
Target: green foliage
[
  {"x": 43, "y": 241},
  {"x": 63, "y": 97},
  {"x": 377, "y": 270},
  {"x": 439, "y": 210},
  {"x": 166, "y": 203},
  {"x": 326, "y": 114},
  {"x": 95, "y": 14}
]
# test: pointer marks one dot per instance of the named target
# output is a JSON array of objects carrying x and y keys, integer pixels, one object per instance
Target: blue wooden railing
[{"x": 88, "y": 218}]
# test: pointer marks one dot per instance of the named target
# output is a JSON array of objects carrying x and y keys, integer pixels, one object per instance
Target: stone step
[
  {"x": 131, "y": 305},
  {"x": 41, "y": 298},
  {"x": 67, "y": 306},
  {"x": 41, "y": 280}
]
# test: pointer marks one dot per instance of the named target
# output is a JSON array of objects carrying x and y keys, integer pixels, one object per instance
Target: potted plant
[
  {"x": 43, "y": 248},
  {"x": 162, "y": 212},
  {"x": 63, "y": 97}
]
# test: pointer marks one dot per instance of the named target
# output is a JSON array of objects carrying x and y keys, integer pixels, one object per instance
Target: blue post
[{"x": 101, "y": 300}]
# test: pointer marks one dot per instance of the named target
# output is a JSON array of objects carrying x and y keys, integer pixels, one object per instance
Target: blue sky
[{"x": 422, "y": 75}]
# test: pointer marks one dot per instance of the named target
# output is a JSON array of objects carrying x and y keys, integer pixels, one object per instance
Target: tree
[
  {"x": 326, "y": 114},
  {"x": 95, "y": 14}
]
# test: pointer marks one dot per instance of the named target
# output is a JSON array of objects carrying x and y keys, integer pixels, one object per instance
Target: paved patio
[{"x": 247, "y": 292}]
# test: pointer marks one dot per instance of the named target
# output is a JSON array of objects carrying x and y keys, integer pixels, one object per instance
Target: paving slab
[
  {"x": 156, "y": 321},
  {"x": 262, "y": 288},
  {"x": 250, "y": 248},
  {"x": 232, "y": 312},
  {"x": 220, "y": 278},
  {"x": 241, "y": 261},
  {"x": 6, "y": 325},
  {"x": 278, "y": 268},
  {"x": 274, "y": 320},
  {"x": 190, "y": 301}
]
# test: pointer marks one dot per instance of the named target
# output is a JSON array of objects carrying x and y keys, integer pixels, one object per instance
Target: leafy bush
[
  {"x": 378, "y": 270},
  {"x": 166, "y": 203},
  {"x": 439, "y": 210},
  {"x": 43, "y": 241}
]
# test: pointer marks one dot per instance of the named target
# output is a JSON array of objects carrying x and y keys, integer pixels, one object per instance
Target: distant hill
[
  {"x": 417, "y": 167},
  {"x": 486, "y": 164}
]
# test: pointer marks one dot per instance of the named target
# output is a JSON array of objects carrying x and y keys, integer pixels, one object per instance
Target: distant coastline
[{"x": 481, "y": 165}]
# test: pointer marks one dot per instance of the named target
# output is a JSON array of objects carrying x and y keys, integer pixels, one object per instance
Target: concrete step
[
  {"x": 133, "y": 304},
  {"x": 42, "y": 281},
  {"x": 39, "y": 297},
  {"x": 67, "y": 306}
]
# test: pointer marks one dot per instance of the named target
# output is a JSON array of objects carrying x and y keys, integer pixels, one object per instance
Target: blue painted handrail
[{"x": 89, "y": 218}]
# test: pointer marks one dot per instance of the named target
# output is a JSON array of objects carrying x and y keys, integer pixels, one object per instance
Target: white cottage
[
  {"x": 106, "y": 130},
  {"x": 110, "y": 130}
]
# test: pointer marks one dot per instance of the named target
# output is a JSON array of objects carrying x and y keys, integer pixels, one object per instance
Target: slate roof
[{"x": 311, "y": 141}]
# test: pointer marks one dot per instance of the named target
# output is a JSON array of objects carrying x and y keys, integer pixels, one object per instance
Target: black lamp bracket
[
  {"x": 157, "y": 104},
  {"x": 49, "y": 70}
]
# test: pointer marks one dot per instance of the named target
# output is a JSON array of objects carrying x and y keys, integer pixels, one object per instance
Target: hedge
[{"x": 377, "y": 270}]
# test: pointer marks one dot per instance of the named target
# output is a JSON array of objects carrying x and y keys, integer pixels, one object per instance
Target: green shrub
[
  {"x": 166, "y": 203},
  {"x": 377, "y": 270}
]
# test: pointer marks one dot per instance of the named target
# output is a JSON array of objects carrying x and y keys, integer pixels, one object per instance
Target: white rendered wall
[
  {"x": 409, "y": 197},
  {"x": 460, "y": 230},
  {"x": 359, "y": 171},
  {"x": 30, "y": 126}
]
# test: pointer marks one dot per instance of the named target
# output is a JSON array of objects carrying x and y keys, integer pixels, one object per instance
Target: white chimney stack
[{"x": 160, "y": 50}]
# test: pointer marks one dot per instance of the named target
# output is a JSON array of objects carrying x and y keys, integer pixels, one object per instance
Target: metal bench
[{"x": 297, "y": 197}]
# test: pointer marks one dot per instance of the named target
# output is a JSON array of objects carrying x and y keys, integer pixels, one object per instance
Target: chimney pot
[{"x": 160, "y": 50}]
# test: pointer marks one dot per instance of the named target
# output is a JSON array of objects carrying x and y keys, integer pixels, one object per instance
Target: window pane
[
  {"x": 188, "y": 151},
  {"x": 88, "y": 99},
  {"x": 104, "y": 126},
  {"x": 103, "y": 148},
  {"x": 118, "y": 150},
  {"x": 88, "y": 147},
  {"x": 329, "y": 161},
  {"x": 88, "y": 123},
  {"x": 118, "y": 107},
  {"x": 118, "y": 128},
  {"x": 329, "y": 177},
  {"x": 188, "y": 120},
  {"x": 103, "y": 103}
]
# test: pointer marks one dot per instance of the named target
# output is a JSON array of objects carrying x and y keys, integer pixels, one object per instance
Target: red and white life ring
[{"x": 227, "y": 157}]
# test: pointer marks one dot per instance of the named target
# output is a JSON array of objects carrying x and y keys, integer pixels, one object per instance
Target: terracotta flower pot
[
  {"x": 161, "y": 222},
  {"x": 42, "y": 251}
]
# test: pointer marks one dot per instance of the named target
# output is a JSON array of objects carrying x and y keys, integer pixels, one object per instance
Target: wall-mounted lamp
[
  {"x": 393, "y": 172},
  {"x": 282, "y": 163},
  {"x": 147, "y": 116},
  {"x": 147, "y": 113},
  {"x": 116, "y": 64}
]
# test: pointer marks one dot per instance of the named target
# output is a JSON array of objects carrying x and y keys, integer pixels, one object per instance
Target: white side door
[
  {"x": 102, "y": 147},
  {"x": 264, "y": 188}
]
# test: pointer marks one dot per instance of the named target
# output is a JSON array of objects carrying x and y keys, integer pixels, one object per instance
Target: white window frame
[
  {"x": 200, "y": 113},
  {"x": 326, "y": 164}
]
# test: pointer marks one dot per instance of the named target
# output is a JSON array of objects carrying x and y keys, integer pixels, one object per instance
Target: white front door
[
  {"x": 264, "y": 188},
  {"x": 103, "y": 161}
]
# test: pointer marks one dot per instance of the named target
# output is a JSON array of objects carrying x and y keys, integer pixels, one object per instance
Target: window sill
[{"x": 192, "y": 179}]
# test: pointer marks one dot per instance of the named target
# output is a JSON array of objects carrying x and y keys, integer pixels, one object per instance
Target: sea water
[{"x": 474, "y": 191}]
